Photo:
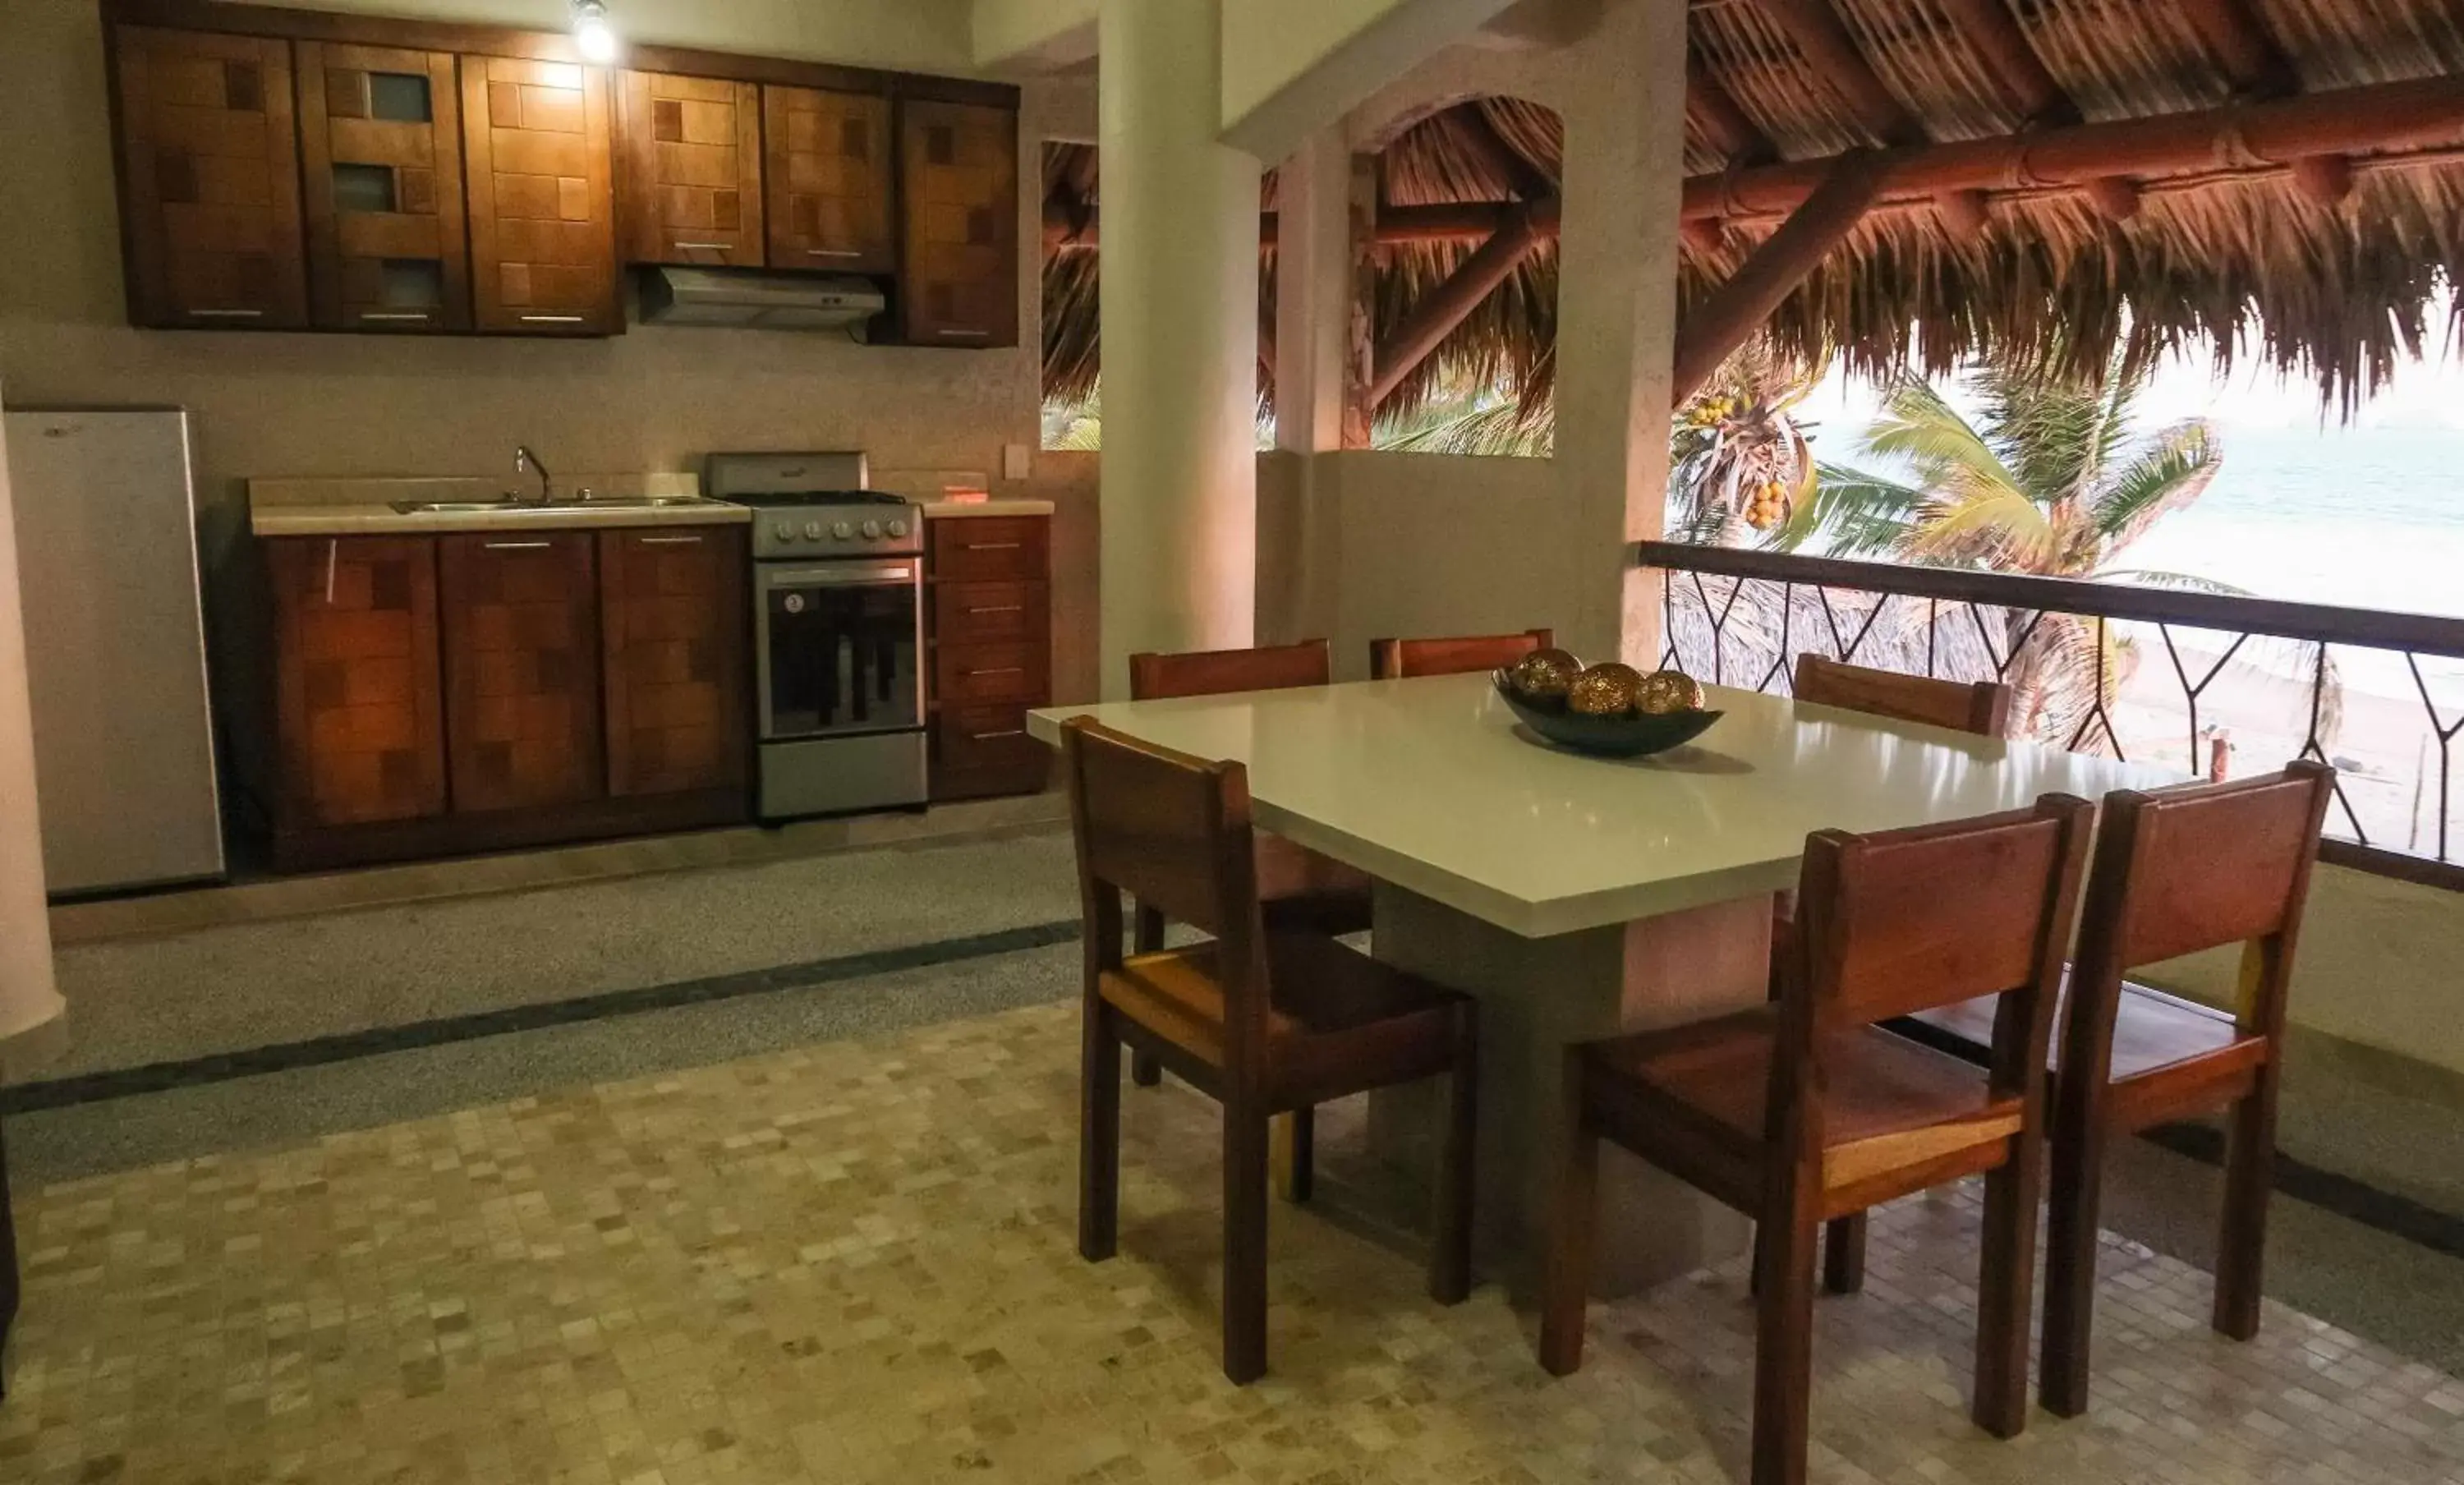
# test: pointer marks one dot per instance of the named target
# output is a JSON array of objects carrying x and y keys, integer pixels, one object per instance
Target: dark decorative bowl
[{"x": 1609, "y": 736}]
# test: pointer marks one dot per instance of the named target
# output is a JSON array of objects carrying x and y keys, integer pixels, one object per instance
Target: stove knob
[
  {"x": 871, "y": 530},
  {"x": 813, "y": 530},
  {"x": 842, "y": 531},
  {"x": 783, "y": 531},
  {"x": 898, "y": 528}
]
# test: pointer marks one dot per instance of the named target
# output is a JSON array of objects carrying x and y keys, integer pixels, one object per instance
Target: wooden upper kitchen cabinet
[
  {"x": 519, "y": 617},
  {"x": 826, "y": 162},
  {"x": 674, "y": 619},
  {"x": 208, "y": 180},
  {"x": 536, "y": 148},
  {"x": 359, "y": 710},
  {"x": 959, "y": 227},
  {"x": 690, "y": 183},
  {"x": 381, "y": 158}
]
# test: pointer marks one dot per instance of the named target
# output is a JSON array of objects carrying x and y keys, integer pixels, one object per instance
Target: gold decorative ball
[
  {"x": 1605, "y": 690},
  {"x": 1544, "y": 673},
  {"x": 1664, "y": 692}
]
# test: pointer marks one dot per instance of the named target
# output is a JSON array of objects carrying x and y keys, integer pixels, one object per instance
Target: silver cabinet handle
[
  {"x": 669, "y": 541},
  {"x": 965, "y": 335},
  {"x": 518, "y": 546},
  {"x": 705, "y": 247},
  {"x": 551, "y": 319},
  {"x": 999, "y": 669},
  {"x": 993, "y": 546},
  {"x": 419, "y": 315},
  {"x": 987, "y": 736},
  {"x": 832, "y": 253},
  {"x": 1000, "y": 609},
  {"x": 226, "y": 314}
]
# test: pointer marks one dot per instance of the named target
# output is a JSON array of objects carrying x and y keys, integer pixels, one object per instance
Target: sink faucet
[{"x": 525, "y": 462}]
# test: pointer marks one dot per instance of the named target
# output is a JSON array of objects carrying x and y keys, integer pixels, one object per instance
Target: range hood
[{"x": 767, "y": 301}]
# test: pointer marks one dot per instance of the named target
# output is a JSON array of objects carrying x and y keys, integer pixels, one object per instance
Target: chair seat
[
  {"x": 1340, "y": 1022},
  {"x": 1304, "y": 891},
  {"x": 2151, "y": 1029},
  {"x": 1889, "y": 1105}
]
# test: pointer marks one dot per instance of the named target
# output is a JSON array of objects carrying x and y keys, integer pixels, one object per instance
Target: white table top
[{"x": 1433, "y": 784}]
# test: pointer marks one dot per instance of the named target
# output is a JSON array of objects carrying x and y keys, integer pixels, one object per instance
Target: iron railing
[{"x": 1740, "y": 618}]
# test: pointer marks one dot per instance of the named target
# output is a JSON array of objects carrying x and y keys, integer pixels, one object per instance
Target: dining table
[{"x": 1575, "y": 896}]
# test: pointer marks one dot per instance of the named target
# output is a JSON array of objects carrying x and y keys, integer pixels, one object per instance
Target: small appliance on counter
[
  {"x": 838, "y": 633},
  {"x": 115, "y": 647}
]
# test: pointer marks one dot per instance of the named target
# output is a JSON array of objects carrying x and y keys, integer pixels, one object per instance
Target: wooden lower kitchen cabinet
[
  {"x": 482, "y": 691},
  {"x": 989, "y": 600}
]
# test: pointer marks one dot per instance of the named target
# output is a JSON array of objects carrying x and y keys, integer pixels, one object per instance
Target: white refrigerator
[{"x": 115, "y": 647}]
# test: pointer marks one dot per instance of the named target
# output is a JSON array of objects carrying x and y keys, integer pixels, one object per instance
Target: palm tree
[
  {"x": 2050, "y": 480},
  {"x": 1739, "y": 462}
]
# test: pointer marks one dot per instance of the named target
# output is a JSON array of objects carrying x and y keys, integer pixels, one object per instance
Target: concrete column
[
  {"x": 1298, "y": 532},
  {"x": 1180, "y": 341},
  {"x": 1616, "y": 317},
  {"x": 29, "y": 998}
]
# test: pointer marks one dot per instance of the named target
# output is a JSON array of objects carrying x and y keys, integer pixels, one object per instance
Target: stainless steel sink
[{"x": 597, "y": 502}]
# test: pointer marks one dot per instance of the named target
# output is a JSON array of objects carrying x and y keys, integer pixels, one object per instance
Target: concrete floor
[{"x": 693, "y": 969}]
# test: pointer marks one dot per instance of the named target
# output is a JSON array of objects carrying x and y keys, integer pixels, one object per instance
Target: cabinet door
[
  {"x": 359, "y": 717},
  {"x": 690, "y": 191},
  {"x": 209, "y": 181},
  {"x": 542, "y": 212},
  {"x": 673, "y": 616},
  {"x": 380, "y": 150},
  {"x": 521, "y": 669},
  {"x": 959, "y": 169},
  {"x": 828, "y": 171}
]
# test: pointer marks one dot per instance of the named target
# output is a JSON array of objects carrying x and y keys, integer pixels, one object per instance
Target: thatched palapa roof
[{"x": 2279, "y": 178}]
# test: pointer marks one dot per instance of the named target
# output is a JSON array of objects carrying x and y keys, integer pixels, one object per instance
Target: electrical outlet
[{"x": 1017, "y": 461}]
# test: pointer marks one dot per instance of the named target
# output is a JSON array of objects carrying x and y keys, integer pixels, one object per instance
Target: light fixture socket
[{"x": 591, "y": 32}]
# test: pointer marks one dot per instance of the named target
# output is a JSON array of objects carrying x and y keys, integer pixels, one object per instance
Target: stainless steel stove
[{"x": 838, "y": 633}]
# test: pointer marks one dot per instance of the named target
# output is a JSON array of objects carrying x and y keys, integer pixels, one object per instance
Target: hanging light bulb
[{"x": 591, "y": 32}]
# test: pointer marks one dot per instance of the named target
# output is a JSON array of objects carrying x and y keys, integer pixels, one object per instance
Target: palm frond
[
  {"x": 1922, "y": 429},
  {"x": 2171, "y": 469},
  {"x": 1853, "y": 514},
  {"x": 1996, "y": 526}
]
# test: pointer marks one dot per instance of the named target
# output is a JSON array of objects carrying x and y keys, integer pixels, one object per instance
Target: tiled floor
[{"x": 853, "y": 1261}]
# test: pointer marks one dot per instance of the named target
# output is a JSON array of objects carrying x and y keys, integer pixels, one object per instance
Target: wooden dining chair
[
  {"x": 2177, "y": 870},
  {"x": 1300, "y": 888},
  {"x": 1265, "y": 1021},
  {"x": 1392, "y": 660},
  {"x": 1803, "y": 1110},
  {"x": 1982, "y": 707}
]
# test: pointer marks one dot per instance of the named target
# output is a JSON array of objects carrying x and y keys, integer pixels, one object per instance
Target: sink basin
[{"x": 558, "y": 507}]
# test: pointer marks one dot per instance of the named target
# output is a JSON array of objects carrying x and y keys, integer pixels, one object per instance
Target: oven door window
[{"x": 841, "y": 658}]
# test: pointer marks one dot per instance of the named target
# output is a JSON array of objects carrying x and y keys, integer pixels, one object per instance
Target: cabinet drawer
[
  {"x": 968, "y": 674},
  {"x": 970, "y": 613},
  {"x": 990, "y": 548},
  {"x": 987, "y": 739}
]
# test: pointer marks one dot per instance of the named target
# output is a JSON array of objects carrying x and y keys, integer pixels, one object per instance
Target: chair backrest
[
  {"x": 1982, "y": 707},
  {"x": 1155, "y": 677},
  {"x": 1909, "y": 921},
  {"x": 1173, "y": 831},
  {"x": 1390, "y": 659},
  {"x": 2200, "y": 866}
]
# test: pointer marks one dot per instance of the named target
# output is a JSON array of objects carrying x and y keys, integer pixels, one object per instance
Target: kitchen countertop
[
  {"x": 945, "y": 510},
  {"x": 1429, "y": 784},
  {"x": 364, "y": 507}
]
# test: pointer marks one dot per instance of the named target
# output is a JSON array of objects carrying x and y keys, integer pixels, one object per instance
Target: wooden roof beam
[
  {"x": 1736, "y": 309},
  {"x": 2233, "y": 31},
  {"x": 2424, "y": 114},
  {"x": 1832, "y": 54},
  {"x": 1450, "y": 221},
  {"x": 1715, "y": 110},
  {"x": 1450, "y": 303}
]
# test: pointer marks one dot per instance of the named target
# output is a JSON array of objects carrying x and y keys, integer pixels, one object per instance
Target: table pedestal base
[{"x": 1536, "y": 996}]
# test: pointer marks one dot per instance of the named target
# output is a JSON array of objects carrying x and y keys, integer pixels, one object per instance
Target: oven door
[{"x": 839, "y": 647}]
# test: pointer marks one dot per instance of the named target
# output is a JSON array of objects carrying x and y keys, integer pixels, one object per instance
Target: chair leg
[
  {"x": 1245, "y": 1244},
  {"x": 1099, "y": 1137},
  {"x": 1783, "y": 1351},
  {"x": 2071, "y": 1211},
  {"x": 2242, "y": 1247},
  {"x": 1450, "y": 1260},
  {"x": 1295, "y": 1155},
  {"x": 2005, "y": 1289},
  {"x": 1146, "y": 937},
  {"x": 1565, "y": 1278},
  {"x": 1843, "y": 1253}
]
